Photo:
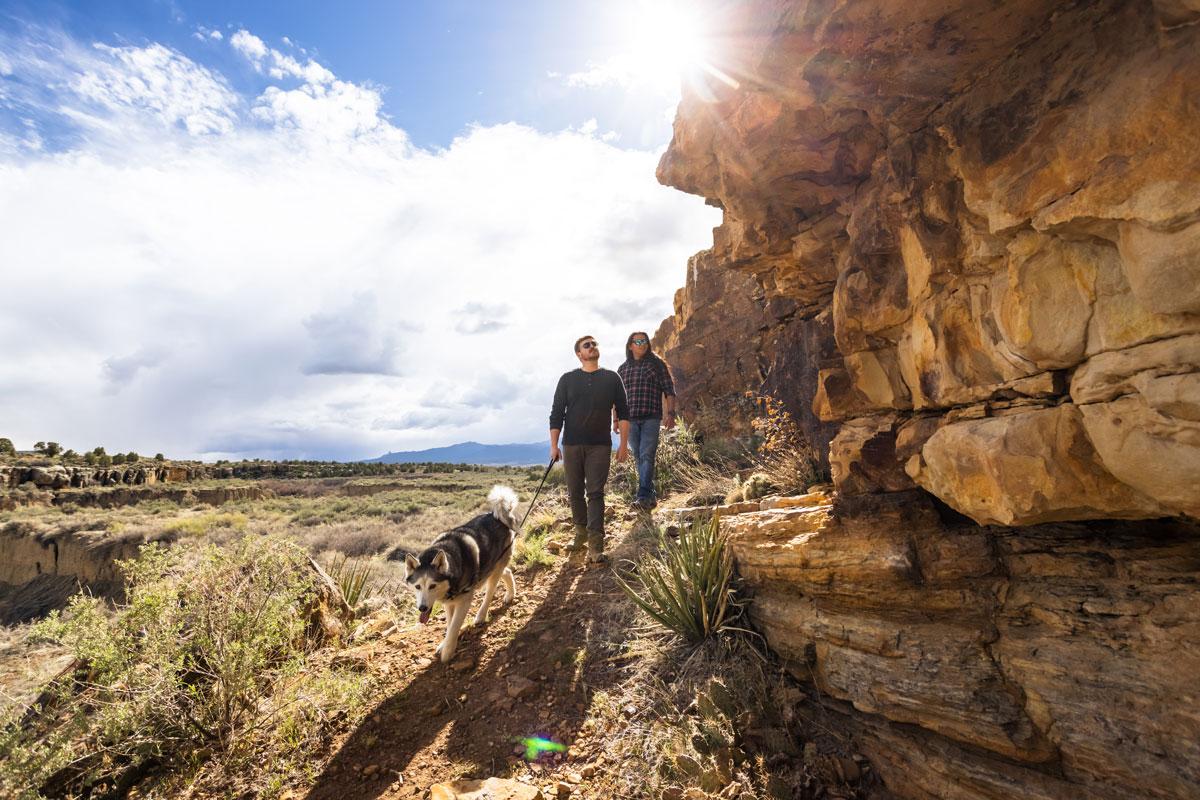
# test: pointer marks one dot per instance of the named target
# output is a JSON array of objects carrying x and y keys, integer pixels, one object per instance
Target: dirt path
[{"x": 530, "y": 672}]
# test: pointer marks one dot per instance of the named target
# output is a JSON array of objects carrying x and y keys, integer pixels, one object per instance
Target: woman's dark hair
[{"x": 629, "y": 345}]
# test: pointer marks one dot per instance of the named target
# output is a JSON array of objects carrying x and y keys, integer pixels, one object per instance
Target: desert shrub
[
  {"x": 7, "y": 448},
  {"x": 688, "y": 465},
  {"x": 184, "y": 666},
  {"x": 623, "y": 478},
  {"x": 530, "y": 550},
  {"x": 680, "y": 466},
  {"x": 200, "y": 524},
  {"x": 785, "y": 456},
  {"x": 355, "y": 538},
  {"x": 678, "y": 455},
  {"x": 687, "y": 586}
]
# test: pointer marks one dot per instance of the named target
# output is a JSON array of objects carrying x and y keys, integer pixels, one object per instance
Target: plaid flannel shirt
[{"x": 646, "y": 381}]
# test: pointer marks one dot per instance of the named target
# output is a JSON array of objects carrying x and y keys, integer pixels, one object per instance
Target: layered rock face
[
  {"x": 967, "y": 237},
  {"x": 1049, "y": 661},
  {"x": 992, "y": 211}
]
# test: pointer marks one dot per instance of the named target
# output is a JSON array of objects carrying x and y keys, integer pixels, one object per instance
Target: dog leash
[{"x": 535, "y": 494}]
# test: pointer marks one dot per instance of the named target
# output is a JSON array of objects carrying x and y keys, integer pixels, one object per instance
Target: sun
[{"x": 665, "y": 41}]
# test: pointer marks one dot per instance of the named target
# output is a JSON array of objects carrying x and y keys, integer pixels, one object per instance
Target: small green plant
[
  {"x": 531, "y": 550},
  {"x": 687, "y": 586},
  {"x": 756, "y": 486},
  {"x": 354, "y": 579}
]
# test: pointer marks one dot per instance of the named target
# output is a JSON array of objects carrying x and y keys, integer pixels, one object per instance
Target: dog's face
[{"x": 429, "y": 584}]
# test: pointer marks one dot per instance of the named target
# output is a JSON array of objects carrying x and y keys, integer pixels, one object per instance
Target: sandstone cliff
[
  {"x": 992, "y": 213},
  {"x": 967, "y": 235}
]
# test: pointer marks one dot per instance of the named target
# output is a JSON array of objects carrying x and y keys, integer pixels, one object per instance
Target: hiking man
[
  {"x": 651, "y": 396},
  {"x": 585, "y": 400}
]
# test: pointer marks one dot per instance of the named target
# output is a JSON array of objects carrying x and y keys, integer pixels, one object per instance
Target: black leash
[{"x": 535, "y": 494}]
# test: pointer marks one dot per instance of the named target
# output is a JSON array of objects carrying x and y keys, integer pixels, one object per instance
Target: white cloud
[
  {"x": 276, "y": 64},
  {"x": 338, "y": 110},
  {"x": 204, "y": 34},
  {"x": 352, "y": 340},
  {"x": 120, "y": 370},
  {"x": 249, "y": 45},
  {"x": 289, "y": 283},
  {"x": 475, "y": 318},
  {"x": 617, "y": 70},
  {"x": 156, "y": 82}
]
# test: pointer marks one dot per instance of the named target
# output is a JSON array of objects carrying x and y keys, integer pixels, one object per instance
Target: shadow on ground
[{"x": 460, "y": 720}]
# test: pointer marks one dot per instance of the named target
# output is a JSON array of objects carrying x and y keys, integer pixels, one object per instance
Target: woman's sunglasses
[{"x": 639, "y": 342}]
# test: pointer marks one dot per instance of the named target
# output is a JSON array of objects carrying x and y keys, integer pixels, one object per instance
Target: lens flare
[{"x": 535, "y": 746}]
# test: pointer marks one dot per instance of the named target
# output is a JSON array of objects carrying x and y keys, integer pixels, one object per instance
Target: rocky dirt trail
[{"x": 530, "y": 672}]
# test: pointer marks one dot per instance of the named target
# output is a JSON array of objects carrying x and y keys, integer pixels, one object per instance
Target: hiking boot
[
  {"x": 580, "y": 544},
  {"x": 597, "y": 561}
]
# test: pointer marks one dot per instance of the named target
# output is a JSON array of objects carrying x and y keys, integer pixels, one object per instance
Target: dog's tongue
[{"x": 424, "y": 617}]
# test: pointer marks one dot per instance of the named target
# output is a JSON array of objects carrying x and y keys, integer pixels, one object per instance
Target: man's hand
[
  {"x": 669, "y": 420},
  {"x": 555, "y": 454},
  {"x": 622, "y": 453}
]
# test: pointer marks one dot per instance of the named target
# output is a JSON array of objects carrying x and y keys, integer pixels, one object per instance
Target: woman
[{"x": 650, "y": 393}]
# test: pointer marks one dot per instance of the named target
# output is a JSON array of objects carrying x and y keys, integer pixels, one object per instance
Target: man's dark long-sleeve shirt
[{"x": 583, "y": 405}]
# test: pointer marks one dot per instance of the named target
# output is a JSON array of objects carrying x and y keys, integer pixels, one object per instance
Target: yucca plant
[
  {"x": 352, "y": 577},
  {"x": 687, "y": 586}
]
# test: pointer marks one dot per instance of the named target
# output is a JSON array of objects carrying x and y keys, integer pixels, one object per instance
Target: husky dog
[{"x": 460, "y": 560}]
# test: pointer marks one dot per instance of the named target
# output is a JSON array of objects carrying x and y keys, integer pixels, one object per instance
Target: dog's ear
[
  {"x": 441, "y": 562},
  {"x": 411, "y": 563}
]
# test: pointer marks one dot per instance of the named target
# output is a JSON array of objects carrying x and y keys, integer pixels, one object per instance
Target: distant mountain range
[{"x": 494, "y": 455}]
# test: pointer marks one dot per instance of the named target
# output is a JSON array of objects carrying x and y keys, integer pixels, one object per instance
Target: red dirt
[{"x": 437, "y": 722}]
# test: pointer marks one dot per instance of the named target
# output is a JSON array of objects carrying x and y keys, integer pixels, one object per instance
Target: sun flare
[{"x": 666, "y": 41}]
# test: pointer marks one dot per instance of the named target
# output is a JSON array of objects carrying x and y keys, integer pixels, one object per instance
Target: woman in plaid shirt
[{"x": 651, "y": 397}]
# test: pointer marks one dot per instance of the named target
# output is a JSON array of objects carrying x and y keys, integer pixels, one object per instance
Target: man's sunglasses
[
  {"x": 588, "y": 345},
  {"x": 639, "y": 342}
]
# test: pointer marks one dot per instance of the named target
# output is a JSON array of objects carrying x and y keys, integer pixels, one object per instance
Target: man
[
  {"x": 651, "y": 397},
  {"x": 584, "y": 402}
]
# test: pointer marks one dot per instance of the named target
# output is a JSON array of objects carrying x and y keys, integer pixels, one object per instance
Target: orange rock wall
[
  {"x": 974, "y": 213},
  {"x": 965, "y": 236}
]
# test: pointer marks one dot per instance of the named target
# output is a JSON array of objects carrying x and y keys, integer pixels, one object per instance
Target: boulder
[{"x": 1025, "y": 468}]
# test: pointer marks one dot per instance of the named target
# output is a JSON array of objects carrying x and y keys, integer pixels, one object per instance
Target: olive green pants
[{"x": 586, "y": 466}]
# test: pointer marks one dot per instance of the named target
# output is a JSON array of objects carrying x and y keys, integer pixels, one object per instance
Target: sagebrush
[{"x": 193, "y": 671}]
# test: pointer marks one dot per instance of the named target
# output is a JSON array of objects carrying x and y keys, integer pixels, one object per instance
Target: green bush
[
  {"x": 185, "y": 666},
  {"x": 688, "y": 585},
  {"x": 531, "y": 551}
]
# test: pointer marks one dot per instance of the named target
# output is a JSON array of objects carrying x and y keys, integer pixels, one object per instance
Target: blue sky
[
  {"x": 439, "y": 65},
  {"x": 307, "y": 231}
]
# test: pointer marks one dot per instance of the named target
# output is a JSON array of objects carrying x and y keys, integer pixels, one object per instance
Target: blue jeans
[{"x": 643, "y": 443}]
